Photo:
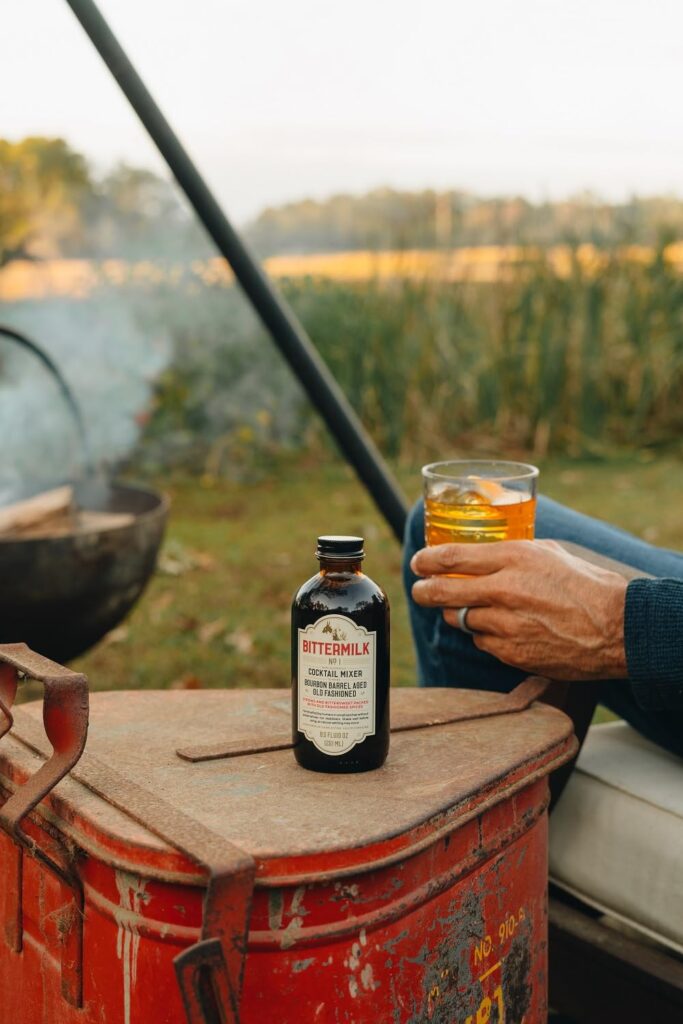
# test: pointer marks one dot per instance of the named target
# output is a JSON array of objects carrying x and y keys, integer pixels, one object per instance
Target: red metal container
[{"x": 413, "y": 894}]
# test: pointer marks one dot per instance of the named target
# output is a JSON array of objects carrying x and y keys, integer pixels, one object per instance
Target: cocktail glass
[{"x": 470, "y": 502}]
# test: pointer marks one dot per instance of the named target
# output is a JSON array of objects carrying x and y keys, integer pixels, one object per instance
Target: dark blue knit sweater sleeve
[{"x": 653, "y": 636}]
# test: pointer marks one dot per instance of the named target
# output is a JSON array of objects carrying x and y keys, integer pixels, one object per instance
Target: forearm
[{"x": 653, "y": 638}]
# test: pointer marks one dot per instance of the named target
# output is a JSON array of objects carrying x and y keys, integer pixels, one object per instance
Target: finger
[
  {"x": 475, "y": 559},
  {"x": 447, "y": 592},
  {"x": 485, "y": 642},
  {"x": 504, "y": 650}
]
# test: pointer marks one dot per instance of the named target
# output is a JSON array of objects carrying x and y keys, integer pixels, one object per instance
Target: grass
[
  {"x": 240, "y": 550},
  {"x": 216, "y": 613}
]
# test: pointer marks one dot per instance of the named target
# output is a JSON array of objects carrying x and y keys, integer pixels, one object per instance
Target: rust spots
[
  {"x": 517, "y": 981},
  {"x": 367, "y": 980},
  {"x": 292, "y": 933},
  {"x": 361, "y": 977},
  {"x": 352, "y": 894},
  {"x": 354, "y": 959},
  {"x": 276, "y": 907},
  {"x": 302, "y": 965},
  {"x": 289, "y": 933},
  {"x": 391, "y": 944},
  {"x": 127, "y": 915},
  {"x": 343, "y": 891},
  {"x": 298, "y": 908},
  {"x": 496, "y": 988},
  {"x": 448, "y": 982},
  {"x": 286, "y": 935},
  {"x": 529, "y": 817}
]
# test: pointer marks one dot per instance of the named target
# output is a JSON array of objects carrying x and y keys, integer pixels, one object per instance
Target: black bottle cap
[{"x": 340, "y": 547}]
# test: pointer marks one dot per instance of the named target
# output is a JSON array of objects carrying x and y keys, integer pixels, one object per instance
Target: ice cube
[
  {"x": 459, "y": 494},
  {"x": 472, "y": 498},
  {"x": 510, "y": 497},
  {"x": 495, "y": 494}
]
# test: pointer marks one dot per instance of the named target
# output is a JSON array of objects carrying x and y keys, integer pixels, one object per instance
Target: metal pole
[{"x": 286, "y": 331}]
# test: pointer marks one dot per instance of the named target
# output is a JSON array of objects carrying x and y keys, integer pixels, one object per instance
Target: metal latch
[
  {"x": 65, "y": 717},
  {"x": 210, "y": 973}
]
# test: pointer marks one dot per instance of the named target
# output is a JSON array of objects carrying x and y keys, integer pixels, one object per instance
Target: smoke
[
  {"x": 110, "y": 360},
  {"x": 169, "y": 367}
]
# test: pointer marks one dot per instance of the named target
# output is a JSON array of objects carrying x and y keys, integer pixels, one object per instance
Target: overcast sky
[{"x": 280, "y": 99}]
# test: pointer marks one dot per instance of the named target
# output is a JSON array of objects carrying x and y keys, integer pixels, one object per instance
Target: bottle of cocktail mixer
[{"x": 340, "y": 664}]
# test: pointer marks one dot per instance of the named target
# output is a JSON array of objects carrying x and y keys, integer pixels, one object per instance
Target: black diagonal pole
[{"x": 286, "y": 331}]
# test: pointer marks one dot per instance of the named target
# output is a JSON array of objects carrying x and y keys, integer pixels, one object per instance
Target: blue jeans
[{"x": 447, "y": 656}]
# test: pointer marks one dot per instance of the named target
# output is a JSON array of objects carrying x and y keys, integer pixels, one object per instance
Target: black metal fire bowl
[{"x": 60, "y": 595}]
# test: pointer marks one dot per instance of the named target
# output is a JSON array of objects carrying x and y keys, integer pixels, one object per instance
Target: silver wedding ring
[{"x": 462, "y": 620}]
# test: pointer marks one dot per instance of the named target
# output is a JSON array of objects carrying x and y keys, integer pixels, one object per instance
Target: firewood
[
  {"x": 101, "y": 521},
  {"x": 43, "y": 510}
]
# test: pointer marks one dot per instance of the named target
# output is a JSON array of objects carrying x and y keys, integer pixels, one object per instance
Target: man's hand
[{"x": 532, "y": 605}]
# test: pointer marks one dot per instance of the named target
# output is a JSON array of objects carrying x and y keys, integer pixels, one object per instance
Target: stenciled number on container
[{"x": 483, "y": 1014}]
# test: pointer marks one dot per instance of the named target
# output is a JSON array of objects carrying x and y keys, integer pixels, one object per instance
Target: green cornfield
[
  {"x": 586, "y": 363},
  {"x": 579, "y": 365}
]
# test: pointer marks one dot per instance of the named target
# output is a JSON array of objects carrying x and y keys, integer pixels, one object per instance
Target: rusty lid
[{"x": 264, "y": 803}]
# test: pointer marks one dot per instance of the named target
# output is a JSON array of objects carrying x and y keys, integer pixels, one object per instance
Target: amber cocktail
[{"x": 474, "y": 502}]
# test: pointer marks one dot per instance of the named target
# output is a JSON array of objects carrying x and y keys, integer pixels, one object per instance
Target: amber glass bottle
[{"x": 340, "y": 664}]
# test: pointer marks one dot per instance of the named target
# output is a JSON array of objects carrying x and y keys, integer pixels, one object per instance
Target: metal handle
[
  {"x": 210, "y": 973},
  {"x": 204, "y": 983},
  {"x": 67, "y": 393},
  {"x": 8, "y": 691},
  {"x": 65, "y": 716}
]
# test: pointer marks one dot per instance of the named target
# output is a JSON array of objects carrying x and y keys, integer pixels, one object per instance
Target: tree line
[
  {"x": 389, "y": 219},
  {"x": 54, "y": 204}
]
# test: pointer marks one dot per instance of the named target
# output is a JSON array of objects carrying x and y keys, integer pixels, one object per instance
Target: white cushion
[{"x": 616, "y": 836}]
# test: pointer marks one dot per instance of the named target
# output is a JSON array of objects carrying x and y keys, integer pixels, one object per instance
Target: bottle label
[{"x": 336, "y": 684}]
